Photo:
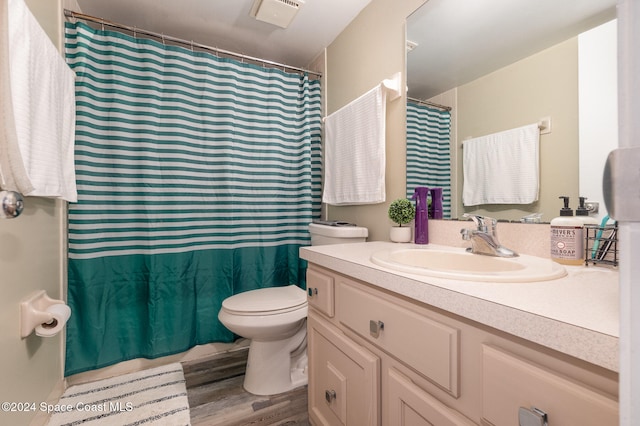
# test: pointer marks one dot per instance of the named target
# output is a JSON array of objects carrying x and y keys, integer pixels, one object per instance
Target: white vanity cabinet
[
  {"x": 378, "y": 358},
  {"x": 341, "y": 373}
]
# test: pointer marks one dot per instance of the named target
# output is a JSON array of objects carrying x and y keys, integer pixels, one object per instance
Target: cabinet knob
[
  {"x": 375, "y": 327},
  {"x": 311, "y": 291},
  {"x": 330, "y": 395},
  {"x": 531, "y": 417}
]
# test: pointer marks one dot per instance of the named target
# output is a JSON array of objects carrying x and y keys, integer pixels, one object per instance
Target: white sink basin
[{"x": 458, "y": 264}]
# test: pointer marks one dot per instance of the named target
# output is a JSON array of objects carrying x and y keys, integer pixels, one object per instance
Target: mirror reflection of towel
[
  {"x": 502, "y": 168},
  {"x": 354, "y": 168}
]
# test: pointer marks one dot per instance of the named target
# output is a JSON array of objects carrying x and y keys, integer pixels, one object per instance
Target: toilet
[{"x": 275, "y": 320}]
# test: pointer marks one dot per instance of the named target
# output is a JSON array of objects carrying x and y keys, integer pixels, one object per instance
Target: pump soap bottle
[
  {"x": 582, "y": 214},
  {"x": 566, "y": 237}
]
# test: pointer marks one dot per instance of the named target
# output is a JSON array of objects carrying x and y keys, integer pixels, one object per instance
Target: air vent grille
[{"x": 276, "y": 12}]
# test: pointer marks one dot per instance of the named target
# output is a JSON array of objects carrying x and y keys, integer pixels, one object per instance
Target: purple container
[
  {"x": 436, "y": 203},
  {"x": 421, "y": 235}
]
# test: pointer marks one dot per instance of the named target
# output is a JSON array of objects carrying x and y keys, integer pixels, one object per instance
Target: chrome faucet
[{"x": 484, "y": 239}]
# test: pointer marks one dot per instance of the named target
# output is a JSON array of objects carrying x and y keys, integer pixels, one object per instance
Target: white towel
[
  {"x": 43, "y": 97},
  {"x": 13, "y": 175},
  {"x": 354, "y": 169},
  {"x": 502, "y": 168}
]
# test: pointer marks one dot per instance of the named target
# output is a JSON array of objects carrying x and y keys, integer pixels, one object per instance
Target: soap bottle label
[{"x": 566, "y": 242}]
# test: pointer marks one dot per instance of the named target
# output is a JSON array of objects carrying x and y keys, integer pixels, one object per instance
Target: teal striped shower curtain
[
  {"x": 429, "y": 151},
  {"x": 197, "y": 177}
]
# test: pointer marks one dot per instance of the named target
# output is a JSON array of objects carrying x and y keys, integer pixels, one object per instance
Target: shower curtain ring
[
  {"x": 192, "y": 45},
  {"x": 162, "y": 38},
  {"x": 102, "y": 23},
  {"x": 135, "y": 34}
]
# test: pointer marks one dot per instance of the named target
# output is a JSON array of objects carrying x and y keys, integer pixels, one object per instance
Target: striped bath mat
[{"x": 157, "y": 396}]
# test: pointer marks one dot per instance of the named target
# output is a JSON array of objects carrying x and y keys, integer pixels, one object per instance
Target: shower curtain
[
  {"x": 197, "y": 177},
  {"x": 428, "y": 151}
]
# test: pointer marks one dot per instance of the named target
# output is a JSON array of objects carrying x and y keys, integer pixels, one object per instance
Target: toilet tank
[{"x": 330, "y": 234}]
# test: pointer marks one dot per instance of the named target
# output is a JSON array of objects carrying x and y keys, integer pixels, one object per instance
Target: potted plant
[{"x": 401, "y": 211}]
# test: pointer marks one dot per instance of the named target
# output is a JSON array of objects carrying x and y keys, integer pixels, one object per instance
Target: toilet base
[{"x": 278, "y": 366}]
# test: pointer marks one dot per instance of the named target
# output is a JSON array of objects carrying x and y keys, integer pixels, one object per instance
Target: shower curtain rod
[
  {"x": 432, "y": 104},
  {"x": 190, "y": 43}
]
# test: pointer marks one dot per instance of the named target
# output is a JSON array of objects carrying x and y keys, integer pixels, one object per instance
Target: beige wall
[
  {"x": 544, "y": 84},
  {"x": 369, "y": 50},
  {"x": 31, "y": 258}
]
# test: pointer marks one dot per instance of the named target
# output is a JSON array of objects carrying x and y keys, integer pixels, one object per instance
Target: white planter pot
[{"x": 400, "y": 234}]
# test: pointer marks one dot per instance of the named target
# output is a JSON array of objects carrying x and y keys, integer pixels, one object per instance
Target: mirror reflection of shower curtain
[
  {"x": 197, "y": 177},
  {"x": 428, "y": 151}
]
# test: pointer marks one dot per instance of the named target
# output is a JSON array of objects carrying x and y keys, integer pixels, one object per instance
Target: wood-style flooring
[{"x": 216, "y": 396}]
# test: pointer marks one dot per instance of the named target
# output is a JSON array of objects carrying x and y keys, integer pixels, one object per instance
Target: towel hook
[{"x": 12, "y": 204}]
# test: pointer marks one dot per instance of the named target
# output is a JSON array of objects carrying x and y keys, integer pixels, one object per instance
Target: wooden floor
[{"x": 216, "y": 396}]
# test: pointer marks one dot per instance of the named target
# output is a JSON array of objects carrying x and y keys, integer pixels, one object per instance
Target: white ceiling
[
  {"x": 461, "y": 40},
  {"x": 226, "y": 24},
  {"x": 458, "y": 40}
]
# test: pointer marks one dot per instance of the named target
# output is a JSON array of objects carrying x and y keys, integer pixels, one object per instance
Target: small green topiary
[{"x": 402, "y": 211}]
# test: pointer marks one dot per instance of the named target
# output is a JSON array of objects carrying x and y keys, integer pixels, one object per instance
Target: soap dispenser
[
  {"x": 421, "y": 234},
  {"x": 566, "y": 237},
  {"x": 582, "y": 214}
]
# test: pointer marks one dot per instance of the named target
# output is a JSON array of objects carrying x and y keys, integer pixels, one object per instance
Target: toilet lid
[{"x": 266, "y": 300}]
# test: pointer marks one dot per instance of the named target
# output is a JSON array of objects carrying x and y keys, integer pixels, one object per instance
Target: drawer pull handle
[
  {"x": 531, "y": 417},
  {"x": 375, "y": 327},
  {"x": 311, "y": 291},
  {"x": 330, "y": 395}
]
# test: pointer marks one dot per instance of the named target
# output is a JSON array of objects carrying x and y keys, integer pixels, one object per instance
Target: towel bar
[{"x": 544, "y": 125}]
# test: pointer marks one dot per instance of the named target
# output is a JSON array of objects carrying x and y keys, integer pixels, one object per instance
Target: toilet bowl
[{"x": 275, "y": 319}]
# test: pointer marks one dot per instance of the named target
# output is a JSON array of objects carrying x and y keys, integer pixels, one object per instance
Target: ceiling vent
[{"x": 276, "y": 12}]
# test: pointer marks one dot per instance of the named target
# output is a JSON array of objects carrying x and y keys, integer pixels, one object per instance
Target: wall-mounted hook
[{"x": 12, "y": 204}]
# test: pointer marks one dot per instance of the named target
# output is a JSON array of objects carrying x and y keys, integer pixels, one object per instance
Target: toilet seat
[{"x": 266, "y": 301}]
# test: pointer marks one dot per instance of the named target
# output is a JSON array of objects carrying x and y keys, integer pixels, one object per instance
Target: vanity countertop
[{"x": 577, "y": 315}]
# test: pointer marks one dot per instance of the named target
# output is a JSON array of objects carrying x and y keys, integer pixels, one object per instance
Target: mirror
[{"x": 502, "y": 64}]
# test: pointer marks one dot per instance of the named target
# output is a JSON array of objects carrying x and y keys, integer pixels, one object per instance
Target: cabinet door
[
  {"x": 344, "y": 386},
  {"x": 409, "y": 405},
  {"x": 320, "y": 290},
  {"x": 510, "y": 382}
]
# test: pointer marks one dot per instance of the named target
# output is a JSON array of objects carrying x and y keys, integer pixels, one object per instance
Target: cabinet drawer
[
  {"x": 510, "y": 382},
  {"x": 341, "y": 374},
  {"x": 409, "y": 405},
  {"x": 428, "y": 346},
  {"x": 320, "y": 290}
]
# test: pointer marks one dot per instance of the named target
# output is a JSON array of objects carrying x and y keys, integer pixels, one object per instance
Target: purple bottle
[
  {"x": 436, "y": 203},
  {"x": 421, "y": 235}
]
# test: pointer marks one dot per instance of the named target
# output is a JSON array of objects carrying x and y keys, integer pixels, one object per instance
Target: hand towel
[
  {"x": 43, "y": 97},
  {"x": 502, "y": 168},
  {"x": 354, "y": 169}
]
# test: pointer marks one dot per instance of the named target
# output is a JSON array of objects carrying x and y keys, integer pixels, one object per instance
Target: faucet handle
[{"x": 482, "y": 221}]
